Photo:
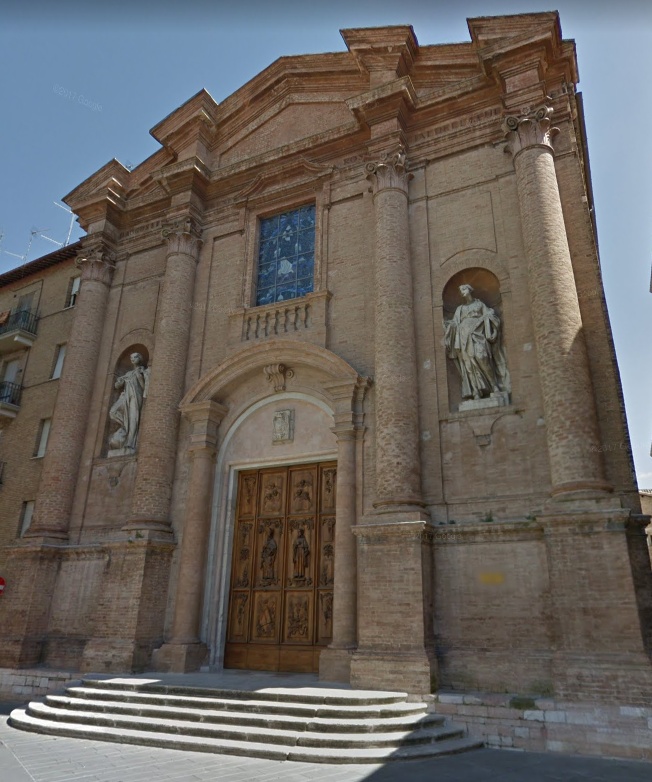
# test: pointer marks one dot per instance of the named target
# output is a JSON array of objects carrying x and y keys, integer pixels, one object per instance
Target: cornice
[{"x": 189, "y": 169}]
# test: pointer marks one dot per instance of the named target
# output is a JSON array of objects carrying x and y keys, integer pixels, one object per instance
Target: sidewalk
[{"x": 30, "y": 757}]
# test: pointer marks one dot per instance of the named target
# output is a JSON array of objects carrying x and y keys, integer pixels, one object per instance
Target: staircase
[{"x": 315, "y": 725}]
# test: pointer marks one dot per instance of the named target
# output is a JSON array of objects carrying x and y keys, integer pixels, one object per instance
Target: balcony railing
[
  {"x": 10, "y": 393},
  {"x": 22, "y": 320},
  {"x": 17, "y": 329}
]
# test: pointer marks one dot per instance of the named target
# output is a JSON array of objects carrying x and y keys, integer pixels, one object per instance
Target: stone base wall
[
  {"x": 546, "y": 724},
  {"x": 18, "y": 685}
]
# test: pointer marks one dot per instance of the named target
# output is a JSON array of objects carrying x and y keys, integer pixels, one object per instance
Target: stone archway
[{"x": 225, "y": 409}]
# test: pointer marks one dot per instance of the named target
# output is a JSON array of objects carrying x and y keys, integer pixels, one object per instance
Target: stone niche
[
  {"x": 123, "y": 366},
  {"x": 476, "y": 363}
]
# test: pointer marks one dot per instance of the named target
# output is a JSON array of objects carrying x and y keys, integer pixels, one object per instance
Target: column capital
[
  {"x": 183, "y": 236},
  {"x": 390, "y": 172},
  {"x": 347, "y": 397},
  {"x": 96, "y": 261},
  {"x": 532, "y": 128},
  {"x": 204, "y": 419}
]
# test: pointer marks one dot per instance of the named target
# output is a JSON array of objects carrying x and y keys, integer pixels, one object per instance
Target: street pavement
[{"x": 31, "y": 757}]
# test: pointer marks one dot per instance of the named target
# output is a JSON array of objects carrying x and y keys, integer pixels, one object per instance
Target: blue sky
[{"x": 81, "y": 84}]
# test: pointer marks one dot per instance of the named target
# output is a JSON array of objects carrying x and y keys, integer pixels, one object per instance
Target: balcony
[
  {"x": 17, "y": 329},
  {"x": 9, "y": 399}
]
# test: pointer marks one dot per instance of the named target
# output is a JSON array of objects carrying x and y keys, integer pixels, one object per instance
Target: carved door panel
[{"x": 282, "y": 571}]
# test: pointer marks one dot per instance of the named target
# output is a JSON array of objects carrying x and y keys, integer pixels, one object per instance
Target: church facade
[{"x": 329, "y": 385}]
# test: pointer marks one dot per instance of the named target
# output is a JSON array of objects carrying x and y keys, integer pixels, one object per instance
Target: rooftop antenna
[{"x": 72, "y": 222}]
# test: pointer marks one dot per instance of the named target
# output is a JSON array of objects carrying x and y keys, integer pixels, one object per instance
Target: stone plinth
[{"x": 395, "y": 575}]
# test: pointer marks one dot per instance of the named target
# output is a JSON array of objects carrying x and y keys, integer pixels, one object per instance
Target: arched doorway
[{"x": 292, "y": 421}]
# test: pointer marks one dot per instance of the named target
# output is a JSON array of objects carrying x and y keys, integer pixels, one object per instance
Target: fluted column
[
  {"x": 157, "y": 443},
  {"x": 398, "y": 472},
  {"x": 66, "y": 441},
  {"x": 184, "y": 651},
  {"x": 569, "y": 404},
  {"x": 335, "y": 661}
]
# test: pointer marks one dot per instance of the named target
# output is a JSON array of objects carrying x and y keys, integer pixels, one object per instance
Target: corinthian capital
[
  {"x": 96, "y": 261},
  {"x": 532, "y": 129},
  {"x": 183, "y": 236},
  {"x": 389, "y": 173}
]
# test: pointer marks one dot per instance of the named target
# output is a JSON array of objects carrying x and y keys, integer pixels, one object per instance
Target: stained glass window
[{"x": 286, "y": 255}]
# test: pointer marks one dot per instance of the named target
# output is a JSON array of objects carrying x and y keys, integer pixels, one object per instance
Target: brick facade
[{"x": 490, "y": 544}]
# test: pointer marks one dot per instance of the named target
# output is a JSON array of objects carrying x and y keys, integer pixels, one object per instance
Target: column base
[
  {"x": 598, "y": 491},
  {"x": 179, "y": 657},
  {"x": 412, "y": 672},
  {"x": 335, "y": 665},
  {"x": 111, "y": 655},
  {"x": 142, "y": 529}
]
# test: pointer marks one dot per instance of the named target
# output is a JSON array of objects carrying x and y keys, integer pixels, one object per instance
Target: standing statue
[
  {"x": 127, "y": 408},
  {"x": 301, "y": 554},
  {"x": 473, "y": 342},
  {"x": 268, "y": 558}
]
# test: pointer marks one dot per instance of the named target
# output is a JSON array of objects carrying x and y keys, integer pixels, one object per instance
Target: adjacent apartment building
[{"x": 326, "y": 386}]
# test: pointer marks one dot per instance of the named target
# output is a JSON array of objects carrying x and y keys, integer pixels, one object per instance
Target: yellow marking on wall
[{"x": 492, "y": 578}]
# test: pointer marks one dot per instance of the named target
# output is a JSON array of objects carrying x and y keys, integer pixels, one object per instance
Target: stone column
[
  {"x": 61, "y": 461},
  {"x": 398, "y": 471},
  {"x": 394, "y": 545},
  {"x": 568, "y": 400},
  {"x": 335, "y": 661},
  {"x": 184, "y": 651},
  {"x": 157, "y": 442}
]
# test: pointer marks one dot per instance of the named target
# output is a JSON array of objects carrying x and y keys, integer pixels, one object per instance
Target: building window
[
  {"x": 42, "y": 438},
  {"x": 26, "y": 516},
  {"x": 58, "y": 361},
  {"x": 73, "y": 290},
  {"x": 286, "y": 255}
]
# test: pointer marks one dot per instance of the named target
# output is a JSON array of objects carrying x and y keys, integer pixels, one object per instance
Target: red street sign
[{"x": 2, "y": 585}]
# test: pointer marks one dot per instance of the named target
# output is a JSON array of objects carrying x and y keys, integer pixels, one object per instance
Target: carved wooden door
[{"x": 281, "y": 601}]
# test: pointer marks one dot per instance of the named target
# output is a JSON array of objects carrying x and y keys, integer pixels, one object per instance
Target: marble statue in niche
[
  {"x": 473, "y": 342},
  {"x": 126, "y": 410}
]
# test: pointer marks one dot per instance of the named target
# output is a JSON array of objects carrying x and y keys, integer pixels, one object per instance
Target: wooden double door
[{"x": 282, "y": 571}]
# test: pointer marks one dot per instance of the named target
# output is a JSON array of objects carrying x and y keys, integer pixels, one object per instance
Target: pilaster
[
  {"x": 347, "y": 397},
  {"x": 184, "y": 651}
]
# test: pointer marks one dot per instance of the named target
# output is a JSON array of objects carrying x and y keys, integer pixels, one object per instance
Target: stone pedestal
[
  {"x": 179, "y": 657},
  {"x": 601, "y": 598},
  {"x": 395, "y": 606},
  {"x": 131, "y": 604}
]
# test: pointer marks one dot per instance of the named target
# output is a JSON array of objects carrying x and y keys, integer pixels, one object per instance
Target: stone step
[
  {"x": 19, "y": 718},
  {"x": 320, "y": 695},
  {"x": 342, "y": 724},
  {"x": 285, "y": 736},
  {"x": 253, "y": 704}
]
